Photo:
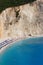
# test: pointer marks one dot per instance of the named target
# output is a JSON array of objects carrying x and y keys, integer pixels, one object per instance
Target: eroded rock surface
[{"x": 22, "y": 21}]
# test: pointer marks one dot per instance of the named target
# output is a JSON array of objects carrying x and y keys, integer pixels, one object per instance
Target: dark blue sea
[{"x": 24, "y": 52}]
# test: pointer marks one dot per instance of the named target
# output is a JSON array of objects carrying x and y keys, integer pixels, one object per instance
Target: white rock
[{"x": 23, "y": 21}]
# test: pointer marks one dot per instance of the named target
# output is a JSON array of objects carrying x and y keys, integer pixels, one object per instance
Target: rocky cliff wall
[{"x": 22, "y": 21}]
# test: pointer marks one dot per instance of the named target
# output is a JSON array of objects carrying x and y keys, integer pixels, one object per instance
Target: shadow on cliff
[{"x": 11, "y": 3}]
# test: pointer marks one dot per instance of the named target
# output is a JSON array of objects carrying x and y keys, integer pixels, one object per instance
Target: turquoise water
[{"x": 25, "y": 52}]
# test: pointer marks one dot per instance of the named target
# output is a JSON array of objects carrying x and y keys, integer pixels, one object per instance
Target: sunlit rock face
[{"x": 22, "y": 21}]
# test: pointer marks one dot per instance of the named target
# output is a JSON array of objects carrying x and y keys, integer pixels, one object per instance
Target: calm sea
[{"x": 25, "y": 52}]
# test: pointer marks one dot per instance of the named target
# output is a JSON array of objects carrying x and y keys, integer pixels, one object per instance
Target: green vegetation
[{"x": 9, "y": 3}]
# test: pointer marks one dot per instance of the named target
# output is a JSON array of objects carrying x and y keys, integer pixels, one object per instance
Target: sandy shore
[
  {"x": 15, "y": 40},
  {"x": 10, "y": 43}
]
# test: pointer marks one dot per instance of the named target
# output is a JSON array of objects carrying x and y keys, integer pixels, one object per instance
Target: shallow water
[{"x": 25, "y": 52}]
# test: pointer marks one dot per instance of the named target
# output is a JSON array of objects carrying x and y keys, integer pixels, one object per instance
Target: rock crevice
[{"x": 22, "y": 21}]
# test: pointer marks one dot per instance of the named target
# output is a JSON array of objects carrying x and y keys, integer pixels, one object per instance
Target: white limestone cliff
[{"x": 22, "y": 21}]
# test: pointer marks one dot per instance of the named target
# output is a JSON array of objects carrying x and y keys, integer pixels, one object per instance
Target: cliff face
[{"x": 22, "y": 21}]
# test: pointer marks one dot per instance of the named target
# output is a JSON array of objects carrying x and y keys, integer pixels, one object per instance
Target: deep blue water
[{"x": 25, "y": 52}]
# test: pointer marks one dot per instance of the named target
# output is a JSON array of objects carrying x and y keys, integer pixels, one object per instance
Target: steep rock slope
[{"x": 22, "y": 21}]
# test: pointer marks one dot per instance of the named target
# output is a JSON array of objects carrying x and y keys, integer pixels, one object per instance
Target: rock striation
[{"x": 22, "y": 21}]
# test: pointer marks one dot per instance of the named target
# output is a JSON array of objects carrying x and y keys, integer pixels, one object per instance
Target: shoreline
[
  {"x": 17, "y": 39},
  {"x": 13, "y": 41}
]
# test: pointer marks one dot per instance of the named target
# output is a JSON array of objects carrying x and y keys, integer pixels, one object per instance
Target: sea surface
[{"x": 24, "y": 52}]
